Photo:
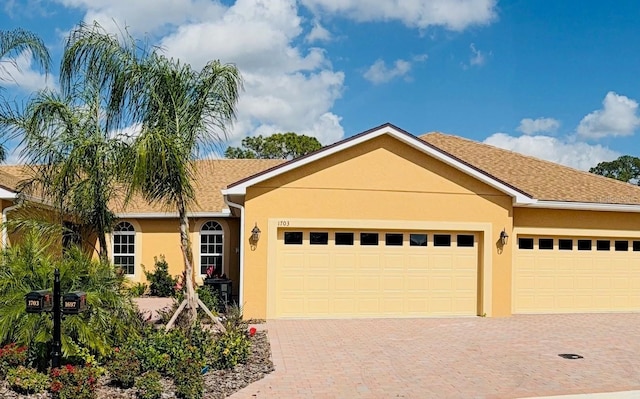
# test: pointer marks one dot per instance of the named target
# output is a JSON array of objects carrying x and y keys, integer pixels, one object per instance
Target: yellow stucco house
[{"x": 387, "y": 224}]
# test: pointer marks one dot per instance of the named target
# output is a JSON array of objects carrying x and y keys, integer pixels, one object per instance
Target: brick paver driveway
[{"x": 451, "y": 358}]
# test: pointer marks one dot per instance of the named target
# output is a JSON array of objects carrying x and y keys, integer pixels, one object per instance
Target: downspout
[
  {"x": 241, "y": 285},
  {"x": 5, "y": 235}
]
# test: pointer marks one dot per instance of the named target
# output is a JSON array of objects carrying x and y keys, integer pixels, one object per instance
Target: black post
[{"x": 56, "y": 346}]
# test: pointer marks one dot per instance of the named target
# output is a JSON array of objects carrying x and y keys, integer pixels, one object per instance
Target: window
[
  {"x": 603, "y": 245},
  {"x": 316, "y": 238},
  {"x": 441, "y": 240},
  {"x": 344, "y": 238},
  {"x": 211, "y": 240},
  {"x": 584, "y": 245},
  {"x": 525, "y": 243},
  {"x": 565, "y": 244},
  {"x": 465, "y": 240},
  {"x": 636, "y": 246},
  {"x": 393, "y": 239},
  {"x": 293, "y": 237},
  {"x": 368, "y": 238},
  {"x": 417, "y": 240},
  {"x": 545, "y": 243},
  {"x": 124, "y": 247},
  {"x": 622, "y": 245}
]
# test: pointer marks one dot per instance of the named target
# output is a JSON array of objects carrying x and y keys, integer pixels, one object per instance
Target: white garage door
[
  {"x": 573, "y": 275},
  {"x": 352, "y": 273}
]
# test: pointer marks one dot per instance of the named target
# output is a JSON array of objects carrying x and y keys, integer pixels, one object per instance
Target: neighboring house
[{"x": 386, "y": 224}]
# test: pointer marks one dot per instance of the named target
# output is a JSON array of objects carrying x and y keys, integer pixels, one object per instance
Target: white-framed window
[
  {"x": 124, "y": 247},
  {"x": 211, "y": 247}
]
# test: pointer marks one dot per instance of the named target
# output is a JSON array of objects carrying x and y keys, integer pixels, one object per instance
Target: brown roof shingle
[{"x": 543, "y": 180}]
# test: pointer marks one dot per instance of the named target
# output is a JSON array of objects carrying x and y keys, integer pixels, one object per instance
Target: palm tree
[
  {"x": 182, "y": 113},
  {"x": 14, "y": 42},
  {"x": 72, "y": 157}
]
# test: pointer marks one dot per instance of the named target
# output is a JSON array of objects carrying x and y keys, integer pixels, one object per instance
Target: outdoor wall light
[
  {"x": 504, "y": 237},
  {"x": 255, "y": 233}
]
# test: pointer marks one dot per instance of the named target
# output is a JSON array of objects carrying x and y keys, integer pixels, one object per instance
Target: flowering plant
[
  {"x": 252, "y": 331},
  {"x": 72, "y": 382},
  {"x": 210, "y": 271},
  {"x": 12, "y": 355}
]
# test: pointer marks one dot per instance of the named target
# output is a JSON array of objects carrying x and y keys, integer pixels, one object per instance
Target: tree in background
[
  {"x": 277, "y": 146},
  {"x": 626, "y": 168}
]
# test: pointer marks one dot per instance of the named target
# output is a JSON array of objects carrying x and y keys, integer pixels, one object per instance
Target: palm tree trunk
[
  {"x": 104, "y": 252},
  {"x": 185, "y": 243}
]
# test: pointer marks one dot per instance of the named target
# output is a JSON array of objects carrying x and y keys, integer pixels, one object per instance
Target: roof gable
[{"x": 519, "y": 196}]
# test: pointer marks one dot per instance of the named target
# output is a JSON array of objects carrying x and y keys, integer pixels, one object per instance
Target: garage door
[
  {"x": 352, "y": 273},
  {"x": 572, "y": 275}
]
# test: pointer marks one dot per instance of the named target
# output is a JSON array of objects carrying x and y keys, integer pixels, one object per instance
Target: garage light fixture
[
  {"x": 255, "y": 233},
  {"x": 504, "y": 237}
]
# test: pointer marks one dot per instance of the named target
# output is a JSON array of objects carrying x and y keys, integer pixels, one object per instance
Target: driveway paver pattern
[{"x": 512, "y": 357}]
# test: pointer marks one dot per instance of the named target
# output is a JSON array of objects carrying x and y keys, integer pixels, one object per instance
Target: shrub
[
  {"x": 123, "y": 368},
  {"x": 149, "y": 386},
  {"x": 209, "y": 298},
  {"x": 138, "y": 289},
  {"x": 26, "y": 380},
  {"x": 161, "y": 283},
  {"x": 188, "y": 380},
  {"x": 71, "y": 382},
  {"x": 111, "y": 317},
  {"x": 12, "y": 356},
  {"x": 232, "y": 347}
]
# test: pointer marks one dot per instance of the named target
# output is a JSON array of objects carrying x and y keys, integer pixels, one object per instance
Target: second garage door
[
  {"x": 576, "y": 274},
  {"x": 352, "y": 273}
]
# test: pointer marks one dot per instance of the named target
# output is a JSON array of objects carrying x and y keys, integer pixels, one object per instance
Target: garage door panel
[
  {"x": 558, "y": 281},
  {"x": 374, "y": 281}
]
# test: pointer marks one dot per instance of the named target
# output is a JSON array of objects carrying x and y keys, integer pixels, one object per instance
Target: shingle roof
[
  {"x": 543, "y": 180},
  {"x": 212, "y": 177}
]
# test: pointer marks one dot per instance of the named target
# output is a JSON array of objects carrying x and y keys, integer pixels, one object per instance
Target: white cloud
[
  {"x": 288, "y": 86},
  {"x": 454, "y": 15},
  {"x": 380, "y": 73},
  {"x": 618, "y": 117},
  {"x": 478, "y": 58},
  {"x": 145, "y": 16},
  {"x": 318, "y": 34},
  {"x": 18, "y": 72},
  {"x": 578, "y": 155},
  {"x": 538, "y": 125}
]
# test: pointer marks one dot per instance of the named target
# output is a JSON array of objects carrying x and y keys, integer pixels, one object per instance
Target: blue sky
[{"x": 555, "y": 79}]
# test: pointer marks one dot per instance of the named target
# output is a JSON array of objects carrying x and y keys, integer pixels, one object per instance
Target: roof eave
[
  {"x": 173, "y": 215},
  {"x": 583, "y": 206}
]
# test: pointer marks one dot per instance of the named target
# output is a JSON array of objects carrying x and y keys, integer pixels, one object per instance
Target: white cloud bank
[
  {"x": 618, "y": 117},
  {"x": 539, "y": 125},
  {"x": 574, "y": 154},
  {"x": 19, "y": 73},
  {"x": 454, "y": 15}
]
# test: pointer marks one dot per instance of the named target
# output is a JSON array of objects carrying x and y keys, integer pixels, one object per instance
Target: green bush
[
  {"x": 232, "y": 347},
  {"x": 27, "y": 380},
  {"x": 123, "y": 368},
  {"x": 161, "y": 283},
  {"x": 72, "y": 382},
  {"x": 149, "y": 386},
  {"x": 111, "y": 317},
  {"x": 138, "y": 289},
  {"x": 209, "y": 298},
  {"x": 11, "y": 356},
  {"x": 188, "y": 380}
]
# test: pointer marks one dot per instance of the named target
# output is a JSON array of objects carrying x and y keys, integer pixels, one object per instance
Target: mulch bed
[{"x": 218, "y": 383}]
